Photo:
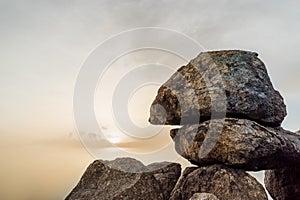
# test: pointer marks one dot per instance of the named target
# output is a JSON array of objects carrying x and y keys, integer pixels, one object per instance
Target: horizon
[{"x": 45, "y": 43}]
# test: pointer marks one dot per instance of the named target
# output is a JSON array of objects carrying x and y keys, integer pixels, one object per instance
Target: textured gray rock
[
  {"x": 125, "y": 178},
  {"x": 166, "y": 174},
  {"x": 224, "y": 182},
  {"x": 218, "y": 82},
  {"x": 283, "y": 183},
  {"x": 241, "y": 143},
  {"x": 203, "y": 196}
]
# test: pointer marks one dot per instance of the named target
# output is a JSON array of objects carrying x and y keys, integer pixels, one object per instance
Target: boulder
[
  {"x": 203, "y": 196},
  {"x": 283, "y": 183},
  {"x": 233, "y": 83},
  {"x": 239, "y": 143},
  {"x": 125, "y": 178},
  {"x": 167, "y": 174},
  {"x": 224, "y": 182}
]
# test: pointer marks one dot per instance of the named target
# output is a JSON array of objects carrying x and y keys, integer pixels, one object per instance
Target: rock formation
[
  {"x": 126, "y": 178},
  {"x": 230, "y": 116}
]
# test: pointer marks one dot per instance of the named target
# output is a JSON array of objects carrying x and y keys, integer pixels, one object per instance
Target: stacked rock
[{"x": 230, "y": 116}]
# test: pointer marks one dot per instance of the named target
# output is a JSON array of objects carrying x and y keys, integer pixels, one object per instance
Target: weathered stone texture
[
  {"x": 214, "y": 83},
  {"x": 225, "y": 183},
  {"x": 126, "y": 178},
  {"x": 239, "y": 143}
]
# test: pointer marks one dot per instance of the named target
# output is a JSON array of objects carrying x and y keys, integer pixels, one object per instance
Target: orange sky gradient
[{"x": 43, "y": 46}]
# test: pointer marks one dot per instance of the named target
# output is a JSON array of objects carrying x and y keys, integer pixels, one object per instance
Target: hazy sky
[{"x": 44, "y": 43}]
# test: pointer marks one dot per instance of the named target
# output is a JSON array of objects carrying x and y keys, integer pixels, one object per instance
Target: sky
[{"x": 45, "y": 43}]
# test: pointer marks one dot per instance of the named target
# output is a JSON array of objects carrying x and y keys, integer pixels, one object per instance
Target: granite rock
[
  {"x": 283, "y": 183},
  {"x": 239, "y": 143},
  {"x": 224, "y": 182},
  {"x": 233, "y": 83},
  {"x": 125, "y": 178},
  {"x": 167, "y": 174}
]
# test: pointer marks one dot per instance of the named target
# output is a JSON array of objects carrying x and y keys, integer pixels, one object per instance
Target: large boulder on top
[
  {"x": 223, "y": 182},
  {"x": 231, "y": 82},
  {"x": 125, "y": 178},
  {"x": 239, "y": 143}
]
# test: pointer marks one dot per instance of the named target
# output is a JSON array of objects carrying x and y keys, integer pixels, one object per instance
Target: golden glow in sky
[{"x": 44, "y": 43}]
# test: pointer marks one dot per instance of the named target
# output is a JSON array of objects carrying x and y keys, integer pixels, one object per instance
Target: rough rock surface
[
  {"x": 166, "y": 174},
  {"x": 283, "y": 183},
  {"x": 241, "y": 143},
  {"x": 214, "y": 83},
  {"x": 225, "y": 183},
  {"x": 125, "y": 178},
  {"x": 203, "y": 196}
]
